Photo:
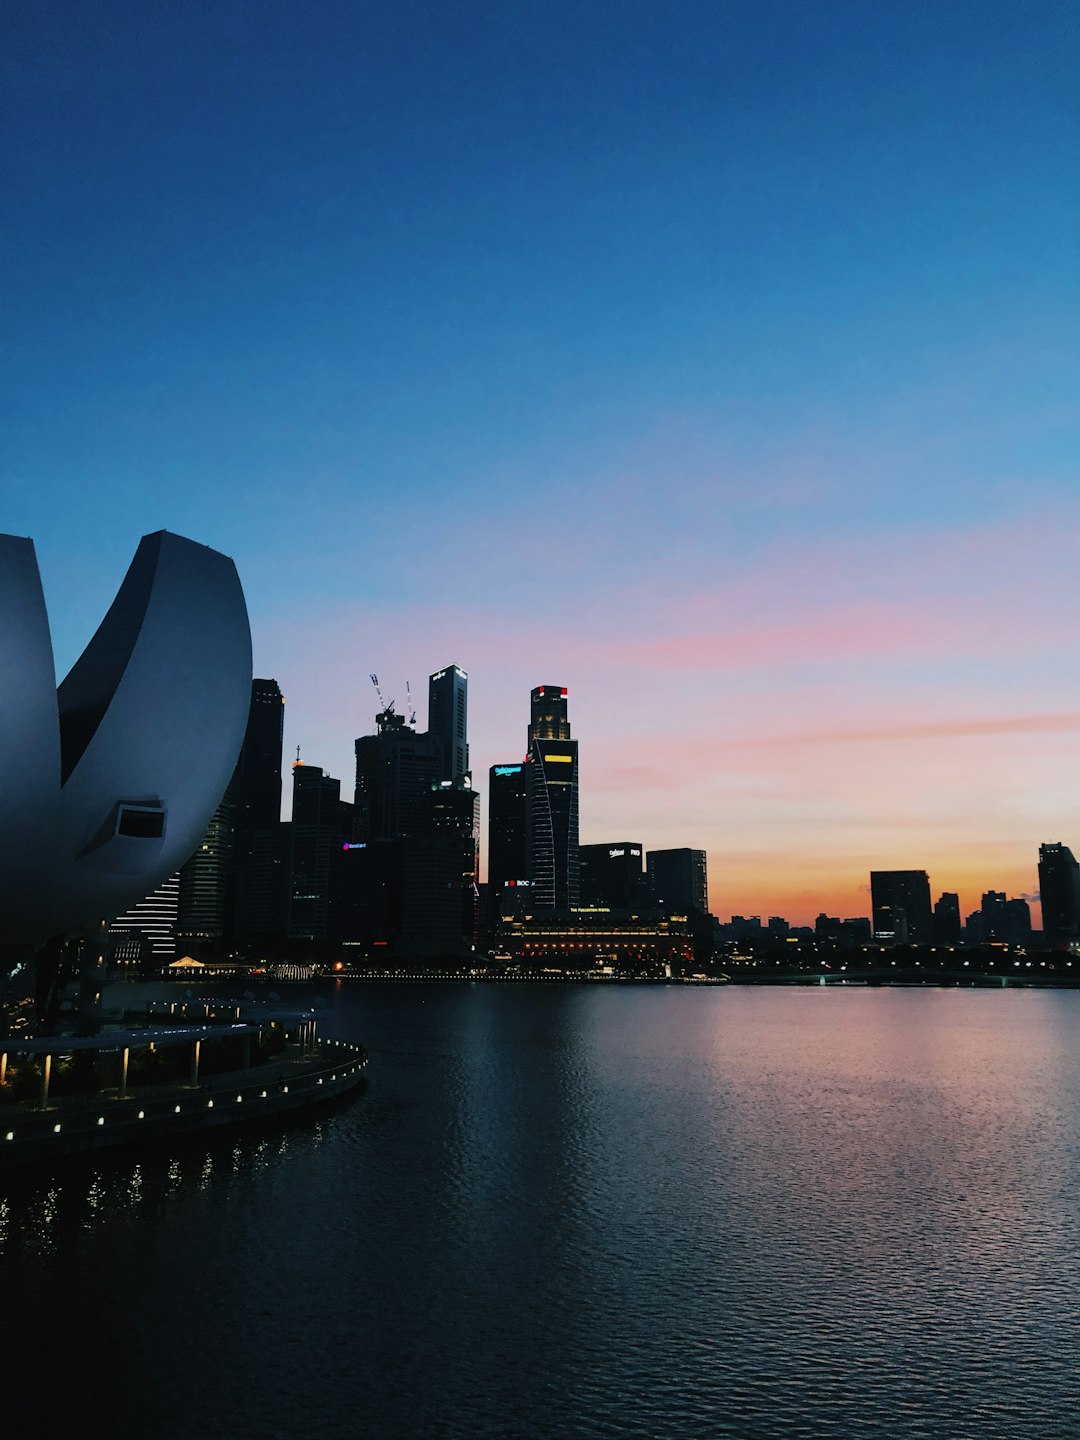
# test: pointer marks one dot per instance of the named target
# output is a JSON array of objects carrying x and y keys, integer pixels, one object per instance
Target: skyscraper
[
  {"x": 260, "y": 853},
  {"x": 992, "y": 911},
  {"x": 416, "y": 817},
  {"x": 395, "y": 770},
  {"x": 551, "y": 802},
  {"x": 316, "y": 835},
  {"x": 1059, "y": 888},
  {"x": 902, "y": 894},
  {"x": 206, "y": 880},
  {"x": 440, "y": 914},
  {"x": 679, "y": 878},
  {"x": 946, "y": 926},
  {"x": 507, "y": 850},
  {"x": 258, "y": 770},
  {"x": 612, "y": 875},
  {"x": 448, "y": 697}
]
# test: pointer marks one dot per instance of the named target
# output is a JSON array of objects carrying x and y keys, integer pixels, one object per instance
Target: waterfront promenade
[{"x": 34, "y": 1132}]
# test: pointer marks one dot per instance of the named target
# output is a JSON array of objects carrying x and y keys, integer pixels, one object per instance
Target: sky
[{"x": 717, "y": 361}]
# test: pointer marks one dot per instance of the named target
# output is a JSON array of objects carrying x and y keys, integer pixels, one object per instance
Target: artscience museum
[{"x": 112, "y": 777}]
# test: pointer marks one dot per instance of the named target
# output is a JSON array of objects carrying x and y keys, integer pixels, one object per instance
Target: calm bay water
[{"x": 592, "y": 1212}]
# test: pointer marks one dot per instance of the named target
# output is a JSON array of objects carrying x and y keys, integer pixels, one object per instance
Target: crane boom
[{"x": 386, "y": 706}]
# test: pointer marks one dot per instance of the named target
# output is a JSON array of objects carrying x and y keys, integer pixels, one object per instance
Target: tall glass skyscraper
[
  {"x": 206, "y": 877},
  {"x": 317, "y": 837},
  {"x": 508, "y": 850},
  {"x": 448, "y": 703},
  {"x": 551, "y": 803},
  {"x": 260, "y": 851}
]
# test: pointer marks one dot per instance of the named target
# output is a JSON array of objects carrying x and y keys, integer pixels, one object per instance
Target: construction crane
[
  {"x": 387, "y": 705},
  {"x": 410, "y": 707}
]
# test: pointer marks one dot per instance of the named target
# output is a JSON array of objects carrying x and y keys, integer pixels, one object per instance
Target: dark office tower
[
  {"x": 551, "y": 802},
  {"x": 395, "y": 770},
  {"x": 316, "y": 840},
  {"x": 946, "y": 926},
  {"x": 905, "y": 893},
  {"x": 1017, "y": 922},
  {"x": 439, "y": 912},
  {"x": 612, "y": 876},
  {"x": 263, "y": 889},
  {"x": 206, "y": 881},
  {"x": 679, "y": 879},
  {"x": 260, "y": 861},
  {"x": 448, "y": 697},
  {"x": 992, "y": 911},
  {"x": 258, "y": 770},
  {"x": 1059, "y": 887},
  {"x": 507, "y": 850}
]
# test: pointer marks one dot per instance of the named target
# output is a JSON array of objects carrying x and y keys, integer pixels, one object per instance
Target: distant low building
[{"x": 586, "y": 938}]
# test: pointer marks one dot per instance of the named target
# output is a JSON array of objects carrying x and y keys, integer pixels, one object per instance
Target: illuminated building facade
[
  {"x": 592, "y": 937},
  {"x": 153, "y": 920},
  {"x": 901, "y": 906},
  {"x": 551, "y": 802}
]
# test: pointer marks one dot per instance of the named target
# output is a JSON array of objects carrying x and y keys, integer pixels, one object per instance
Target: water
[{"x": 577, "y": 1212}]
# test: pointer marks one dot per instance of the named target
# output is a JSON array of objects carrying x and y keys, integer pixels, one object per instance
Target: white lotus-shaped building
[{"x": 111, "y": 780}]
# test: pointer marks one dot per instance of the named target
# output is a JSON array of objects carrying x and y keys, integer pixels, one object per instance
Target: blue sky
[{"x": 567, "y": 338}]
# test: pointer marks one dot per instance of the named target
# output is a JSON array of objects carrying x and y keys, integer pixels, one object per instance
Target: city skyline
[
  {"x": 723, "y": 368},
  {"x": 971, "y": 897}
]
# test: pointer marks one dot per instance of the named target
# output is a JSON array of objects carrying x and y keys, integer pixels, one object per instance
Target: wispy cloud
[{"x": 933, "y": 730}]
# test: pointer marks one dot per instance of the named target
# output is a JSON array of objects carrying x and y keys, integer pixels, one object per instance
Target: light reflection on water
[{"x": 622, "y": 1212}]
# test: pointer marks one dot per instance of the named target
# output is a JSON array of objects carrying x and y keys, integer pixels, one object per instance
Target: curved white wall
[{"x": 151, "y": 716}]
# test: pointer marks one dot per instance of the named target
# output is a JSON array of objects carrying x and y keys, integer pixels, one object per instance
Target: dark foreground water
[{"x": 564, "y": 1212}]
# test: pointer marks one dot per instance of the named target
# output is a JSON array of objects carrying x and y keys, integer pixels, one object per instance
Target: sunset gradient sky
[{"x": 715, "y": 360}]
